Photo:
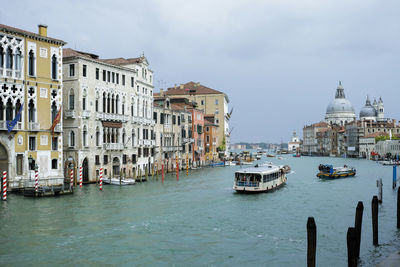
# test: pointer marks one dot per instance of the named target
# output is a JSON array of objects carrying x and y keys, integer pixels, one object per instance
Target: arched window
[
  {"x": 54, "y": 67},
  {"x": 84, "y": 100},
  {"x": 9, "y": 58},
  {"x": 137, "y": 108},
  {"x": 17, "y": 109},
  {"x": 72, "y": 139},
  {"x": 31, "y": 111},
  {"x": 143, "y": 107},
  {"x": 97, "y": 136},
  {"x": 133, "y": 137},
  {"x": 97, "y": 105},
  {"x": 1, "y": 109},
  {"x": 116, "y": 104},
  {"x": 108, "y": 103},
  {"x": 53, "y": 111},
  {"x": 112, "y": 104},
  {"x": 9, "y": 110},
  {"x": 18, "y": 56},
  {"x": 123, "y": 136},
  {"x": 84, "y": 136},
  {"x": 132, "y": 107},
  {"x": 104, "y": 102},
  {"x": 71, "y": 99},
  {"x": 123, "y": 109},
  {"x": 31, "y": 63},
  {"x": 1, "y": 57}
]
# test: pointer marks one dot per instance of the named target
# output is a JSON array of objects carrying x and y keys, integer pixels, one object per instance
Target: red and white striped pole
[
  {"x": 71, "y": 184},
  {"x": 4, "y": 185},
  {"x": 101, "y": 179},
  {"x": 36, "y": 181},
  {"x": 162, "y": 172},
  {"x": 80, "y": 177}
]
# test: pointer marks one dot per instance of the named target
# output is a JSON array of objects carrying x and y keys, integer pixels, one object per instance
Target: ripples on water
[{"x": 201, "y": 221}]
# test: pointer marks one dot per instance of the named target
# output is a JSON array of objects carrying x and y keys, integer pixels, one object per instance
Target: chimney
[
  {"x": 197, "y": 84},
  {"x": 175, "y": 86},
  {"x": 161, "y": 92},
  {"x": 181, "y": 86},
  {"x": 42, "y": 30}
]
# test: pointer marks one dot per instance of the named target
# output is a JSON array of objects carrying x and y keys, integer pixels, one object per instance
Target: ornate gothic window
[
  {"x": 17, "y": 109},
  {"x": 97, "y": 137},
  {"x": 84, "y": 136},
  {"x": 1, "y": 57},
  {"x": 72, "y": 139},
  {"x": 18, "y": 56},
  {"x": 9, "y": 58},
  {"x": 9, "y": 110},
  {"x": 84, "y": 100},
  {"x": 31, "y": 111},
  {"x": 1, "y": 110},
  {"x": 53, "y": 111},
  {"x": 116, "y": 104},
  {"x": 54, "y": 67},
  {"x": 104, "y": 102},
  {"x": 31, "y": 63}
]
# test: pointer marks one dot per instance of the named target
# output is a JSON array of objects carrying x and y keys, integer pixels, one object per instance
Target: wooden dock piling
[
  {"x": 351, "y": 247},
  {"x": 358, "y": 226},
  {"x": 398, "y": 207},
  {"x": 311, "y": 242},
  {"x": 374, "y": 208},
  {"x": 379, "y": 184}
]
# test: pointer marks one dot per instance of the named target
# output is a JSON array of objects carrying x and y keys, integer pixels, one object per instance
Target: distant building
[
  {"x": 388, "y": 148},
  {"x": 367, "y": 144},
  {"x": 310, "y": 143},
  {"x": 211, "y": 137},
  {"x": 294, "y": 144},
  {"x": 340, "y": 111}
]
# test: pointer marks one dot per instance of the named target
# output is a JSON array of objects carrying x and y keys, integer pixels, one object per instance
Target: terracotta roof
[
  {"x": 320, "y": 124},
  {"x": 373, "y": 135},
  {"x": 209, "y": 115},
  {"x": 123, "y": 61},
  {"x": 191, "y": 88},
  {"x": 68, "y": 52},
  {"x": 10, "y": 29}
]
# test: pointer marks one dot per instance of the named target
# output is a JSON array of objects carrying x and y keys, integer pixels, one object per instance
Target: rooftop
[
  {"x": 13, "y": 30},
  {"x": 191, "y": 88}
]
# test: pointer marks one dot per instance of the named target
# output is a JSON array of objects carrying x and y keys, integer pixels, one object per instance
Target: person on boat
[{"x": 345, "y": 166}]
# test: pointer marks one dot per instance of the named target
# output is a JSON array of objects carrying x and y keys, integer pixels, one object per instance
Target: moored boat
[
  {"x": 117, "y": 181},
  {"x": 259, "y": 179},
  {"x": 327, "y": 171}
]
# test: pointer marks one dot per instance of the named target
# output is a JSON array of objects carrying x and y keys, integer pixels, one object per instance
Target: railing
[
  {"x": 113, "y": 146},
  {"x": 248, "y": 184},
  {"x": 111, "y": 117},
  {"x": 188, "y": 140},
  {"x": 85, "y": 113},
  {"x": 18, "y": 74},
  {"x": 58, "y": 128},
  {"x": 9, "y": 72},
  {"x": 3, "y": 126},
  {"x": 171, "y": 148},
  {"x": 70, "y": 113},
  {"x": 33, "y": 126}
]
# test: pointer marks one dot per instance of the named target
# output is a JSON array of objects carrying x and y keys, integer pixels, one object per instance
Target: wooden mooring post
[
  {"x": 311, "y": 242},
  {"x": 398, "y": 207},
  {"x": 379, "y": 184},
  {"x": 374, "y": 208},
  {"x": 394, "y": 176},
  {"x": 358, "y": 226},
  {"x": 351, "y": 247}
]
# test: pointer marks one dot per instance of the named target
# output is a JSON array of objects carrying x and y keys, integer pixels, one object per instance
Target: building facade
[
  {"x": 340, "y": 111},
  {"x": 108, "y": 121},
  {"x": 210, "y": 138},
  {"x": 30, "y": 98},
  {"x": 210, "y": 101}
]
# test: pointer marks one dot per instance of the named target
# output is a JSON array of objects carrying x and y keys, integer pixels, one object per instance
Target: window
[
  {"x": 216, "y": 101},
  {"x": 155, "y": 117},
  {"x": 71, "y": 99},
  {"x": 71, "y": 70},
  {"x": 132, "y": 82},
  {"x": 207, "y": 129},
  {"x": 123, "y": 79},
  {"x": 97, "y": 160},
  {"x": 173, "y": 119},
  {"x": 162, "y": 118},
  {"x": 84, "y": 102},
  {"x": 20, "y": 162},
  {"x": 208, "y": 139},
  {"x": 84, "y": 136},
  {"x": 124, "y": 159},
  {"x": 31, "y": 63},
  {"x": 31, "y": 111},
  {"x": 108, "y": 76},
  {"x": 97, "y": 73},
  {"x": 113, "y": 77},
  {"x": 84, "y": 67},
  {"x": 54, "y": 164},
  {"x": 97, "y": 105},
  {"x": 54, "y": 67},
  {"x": 72, "y": 139},
  {"x": 117, "y": 76},
  {"x": 105, "y": 159},
  {"x": 202, "y": 102},
  {"x": 216, "y": 111},
  {"x": 137, "y": 88},
  {"x": 104, "y": 75},
  {"x": 179, "y": 120},
  {"x": 54, "y": 143},
  {"x": 97, "y": 137},
  {"x": 1, "y": 56},
  {"x": 32, "y": 143}
]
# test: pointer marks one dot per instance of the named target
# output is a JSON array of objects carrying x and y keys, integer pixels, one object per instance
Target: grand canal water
[{"x": 199, "y": 220}]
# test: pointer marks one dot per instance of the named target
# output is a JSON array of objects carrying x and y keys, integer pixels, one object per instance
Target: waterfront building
[
  {"x": 310, "y": 143},
  {"x": 30, "y": 100},
  {"x": 210, "y": 137},
  {"x": 340, "y": 111},
  {"x": 294, "y": 144},
  {"x": 388, "y": 148},
  {"x": 352, "y": 139},
  {"x": 210, "y": 101},
  {"x": 108, "y": 121},
  {"x": 367, "y": 145},
  {"x": 173, "y": 132}
]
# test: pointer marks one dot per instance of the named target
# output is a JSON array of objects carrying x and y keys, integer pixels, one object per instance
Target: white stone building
[
  {"x": 294, "y": 144},
  {"x": 340, "y": 111},
  {"x": 108, "y": 107}
]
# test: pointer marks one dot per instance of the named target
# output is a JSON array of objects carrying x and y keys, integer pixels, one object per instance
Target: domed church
[
  {"x": 340, "y": 111},
  {"x": 373, "y": 112}
]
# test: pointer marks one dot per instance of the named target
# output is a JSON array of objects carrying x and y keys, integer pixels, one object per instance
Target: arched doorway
[
  {"x": 116, "y": 167},
  {"x": 85, "y": 171},
  {"x": 3, "y": 163}
]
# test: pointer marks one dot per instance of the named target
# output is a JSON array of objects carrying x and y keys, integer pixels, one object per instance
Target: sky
[{"x": 278, "y": 61}]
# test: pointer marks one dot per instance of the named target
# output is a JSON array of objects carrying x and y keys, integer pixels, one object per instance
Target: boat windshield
[{"x": 248, "y": 177}]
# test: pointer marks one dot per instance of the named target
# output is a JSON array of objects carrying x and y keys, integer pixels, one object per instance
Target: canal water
[{"x": 200, "y": 221}]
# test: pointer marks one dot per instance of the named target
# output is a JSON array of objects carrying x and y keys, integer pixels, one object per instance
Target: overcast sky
[{"x": 278, "y": 61}]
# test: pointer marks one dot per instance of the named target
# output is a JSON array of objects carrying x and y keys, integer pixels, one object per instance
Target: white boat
[
  {"x": 258, "y": 156},
  {"x": 230, "y": 163},
  {"x": 259, "y": 179},
  {"x": 117, "y": 181}
]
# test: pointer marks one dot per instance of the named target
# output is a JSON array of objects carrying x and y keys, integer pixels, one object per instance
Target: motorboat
[
  {"x": 118, "y": 181},
  {"x": 258, "y": 179},
  {"x": 327, "y": 171}
]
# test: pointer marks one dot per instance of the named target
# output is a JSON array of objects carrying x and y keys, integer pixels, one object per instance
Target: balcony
[
  {"x": 171, "y": 148},
  {"x": 9, "y": 72},
  {"x": 111, "y": 117},
  {"x": 149, "y": 142},
  {"x": 85, "y": 113},
  {"x": 188, "y": 140},
  {"x": 58, "y": 128},
  {"x": 70, "y": 114},
  {"x": 113, "y": 146},
  {"x": 135, "y": 119},
  {"x": 33, "y": 126},
  {"x": 3, "y": 126}
]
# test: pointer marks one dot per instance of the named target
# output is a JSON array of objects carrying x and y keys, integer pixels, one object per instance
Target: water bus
[
  {"x": 329, "y": 172},
  {"x": 258, "y": 179}
]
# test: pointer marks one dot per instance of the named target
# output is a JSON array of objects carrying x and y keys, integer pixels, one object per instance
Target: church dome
[
  {"x": 368, "y": 110},
  {"x": 339, "y": 105},
  {"x": 340, "y": 111}
]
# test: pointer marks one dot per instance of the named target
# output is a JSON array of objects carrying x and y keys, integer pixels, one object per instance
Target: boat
[
  {"x": 230, "y": 163},
  {"x": 258, "y": 157},
  {"x": 327, "y": 171},
  {"x": 264, "y": 178},
  {"x": 270, "y": 156},
  {"x": 215, "y": 164},
  {"x": 117, "y": 181},
  {"x": 389, "y": 162},
  {"x": 296, "y": 155}
]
